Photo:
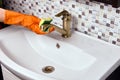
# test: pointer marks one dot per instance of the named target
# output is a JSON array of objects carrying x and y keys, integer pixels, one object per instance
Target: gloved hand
[{"x": 31, "y": 22}]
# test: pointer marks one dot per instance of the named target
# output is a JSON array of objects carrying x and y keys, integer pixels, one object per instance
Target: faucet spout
[
  {"x": 65, "y": 31},
  {"x": 58, "y": 29}
]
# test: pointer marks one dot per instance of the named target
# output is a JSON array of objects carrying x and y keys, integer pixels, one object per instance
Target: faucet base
[{"x": 66, "y": 36}]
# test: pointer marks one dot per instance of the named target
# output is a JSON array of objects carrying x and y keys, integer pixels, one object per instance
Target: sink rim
[{"x": 101, "y": 70}]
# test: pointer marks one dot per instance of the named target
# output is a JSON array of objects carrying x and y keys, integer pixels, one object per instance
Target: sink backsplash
[{"x": 92, "y": 18}]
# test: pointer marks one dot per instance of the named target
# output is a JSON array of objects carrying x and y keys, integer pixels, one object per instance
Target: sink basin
[
  {"x": 27, "y": 55},
  {"x": 60, "y": 52},
  {"x": 34, "y": 52}
]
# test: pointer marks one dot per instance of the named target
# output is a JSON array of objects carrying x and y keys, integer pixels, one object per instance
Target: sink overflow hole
[
  {"x": 48, "y": 69},
  {"x": 57, "y": 45}
]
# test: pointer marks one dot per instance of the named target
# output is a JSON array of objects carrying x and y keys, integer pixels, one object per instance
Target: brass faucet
[{"x": 65, "y": 31}]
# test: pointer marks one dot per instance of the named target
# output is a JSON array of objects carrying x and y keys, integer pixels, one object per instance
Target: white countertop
[{"x": 107, "y": 55}]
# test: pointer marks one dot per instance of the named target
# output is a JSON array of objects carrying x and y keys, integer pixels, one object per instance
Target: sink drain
[{"x": 48, "y": 69}]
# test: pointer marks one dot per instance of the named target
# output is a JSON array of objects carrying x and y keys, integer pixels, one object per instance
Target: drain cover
[{"x": 48, "y": 69}]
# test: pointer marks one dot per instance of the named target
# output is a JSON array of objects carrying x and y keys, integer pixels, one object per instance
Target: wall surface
[{"x": 92, "y": 18}]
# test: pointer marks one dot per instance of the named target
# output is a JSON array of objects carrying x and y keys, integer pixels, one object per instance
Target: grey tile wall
[{"x": 92, "y": 18}]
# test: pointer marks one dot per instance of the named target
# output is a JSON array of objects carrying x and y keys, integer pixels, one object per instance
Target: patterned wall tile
[{"x": 92, "y": 18}]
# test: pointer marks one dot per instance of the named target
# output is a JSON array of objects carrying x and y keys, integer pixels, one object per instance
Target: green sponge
[
  {"x": 43, "y": 23},
  {"x": 46, "y": 29}
]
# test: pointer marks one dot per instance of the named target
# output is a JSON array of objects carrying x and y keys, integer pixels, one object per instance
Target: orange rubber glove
[{"x": 28, "y": 21}]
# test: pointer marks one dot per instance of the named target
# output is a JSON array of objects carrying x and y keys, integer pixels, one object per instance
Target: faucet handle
[{"x": 63, "y": 13}]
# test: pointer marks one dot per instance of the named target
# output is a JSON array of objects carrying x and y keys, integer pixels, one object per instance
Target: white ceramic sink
[{"x": 25, "y": 54}]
